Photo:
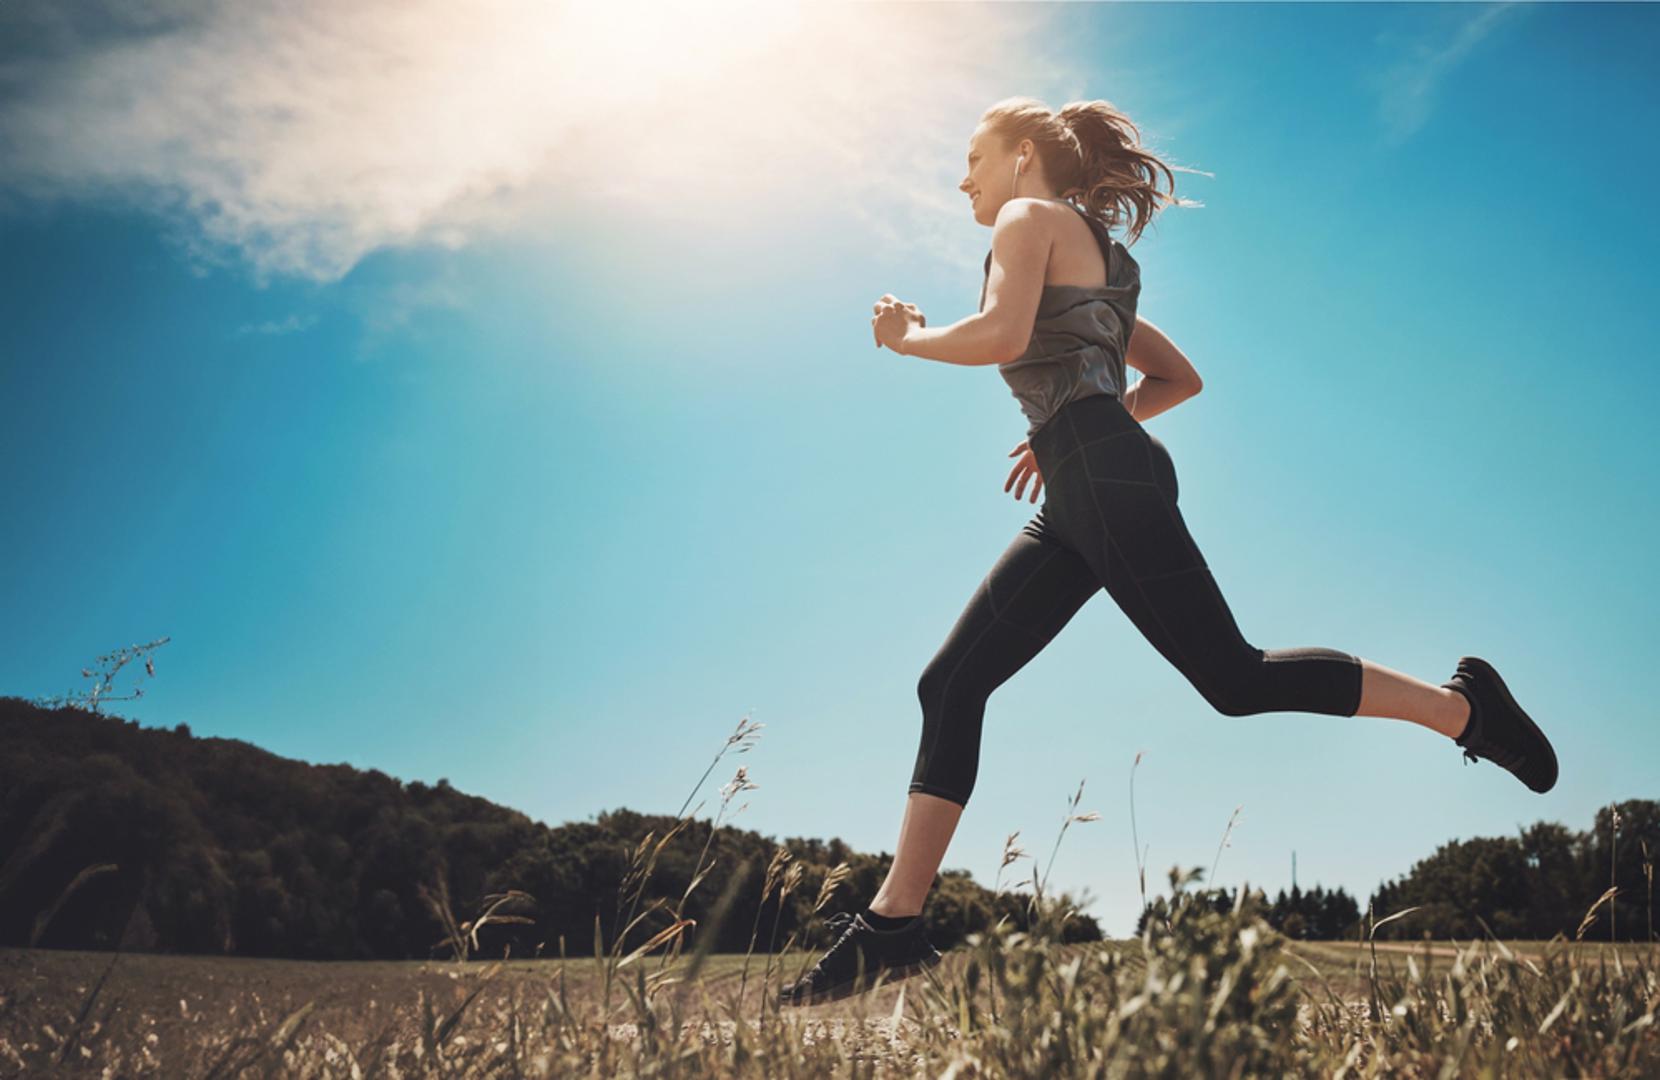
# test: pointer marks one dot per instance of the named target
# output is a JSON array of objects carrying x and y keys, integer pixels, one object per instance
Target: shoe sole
[
  {"x": 1486, "y": 671},
  {"x": 888, "y": 977}
]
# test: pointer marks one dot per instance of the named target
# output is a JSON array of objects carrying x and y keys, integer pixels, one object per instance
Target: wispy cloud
[
  {"x": 278, "y": 327},
  {"x": 302, "y": 135},
  {"x": 1408, "y": 87},
  {"x": 386, "y": 311}
]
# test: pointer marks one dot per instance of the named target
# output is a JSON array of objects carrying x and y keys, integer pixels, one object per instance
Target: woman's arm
[
  {"x": 972, "y": 341},
  {"x": 1002, "y": 329},
  {"x": 1169, "y": 378}
]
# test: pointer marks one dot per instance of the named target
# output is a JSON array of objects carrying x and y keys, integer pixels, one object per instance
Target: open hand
[
  {"x": 893, "y": 320},
  {"x": 1024, "y": 469}
]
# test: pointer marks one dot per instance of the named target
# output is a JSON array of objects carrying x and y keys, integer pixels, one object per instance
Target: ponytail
[{"x": 1093, "y": 154}]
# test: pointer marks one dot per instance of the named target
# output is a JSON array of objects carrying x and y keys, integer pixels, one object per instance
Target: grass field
[
  {"x": 183, "y": 1015},
  {"x": 1209, "y": 989}
]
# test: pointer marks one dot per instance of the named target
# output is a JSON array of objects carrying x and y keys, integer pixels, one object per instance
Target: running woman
[{"x": 1058, "y": 318}]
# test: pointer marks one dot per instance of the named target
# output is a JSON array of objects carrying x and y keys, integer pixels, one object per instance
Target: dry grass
[{"x": 1203, "y": 992}]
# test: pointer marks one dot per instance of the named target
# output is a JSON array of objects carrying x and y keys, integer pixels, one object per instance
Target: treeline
[
  {"x": 153, "y": 838},
  {"x": 1538, "y": 883},
  {"x": 1546, "y": 880},
  {"x": 162, "y": 841},
  {"x": 1319, "y": 914}
]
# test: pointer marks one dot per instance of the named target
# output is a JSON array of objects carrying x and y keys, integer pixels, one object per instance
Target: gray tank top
[{"x": 1079, "y": 337}]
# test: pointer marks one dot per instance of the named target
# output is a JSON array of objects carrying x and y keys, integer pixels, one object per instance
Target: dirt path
[{"x": 1530, "y": 950}]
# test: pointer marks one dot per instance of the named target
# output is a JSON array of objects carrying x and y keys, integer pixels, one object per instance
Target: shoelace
[
  {"x": 1498, "y": 755},
  {"x": 838, "y": 924}
]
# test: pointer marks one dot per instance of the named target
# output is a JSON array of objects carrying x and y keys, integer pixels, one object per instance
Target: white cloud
[
  {"x": 301, "y": 136},
  {"x": 1407, "y": 89}
]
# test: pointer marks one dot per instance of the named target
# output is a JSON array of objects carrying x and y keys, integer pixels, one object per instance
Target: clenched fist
[{"x": 893, "y": 320}]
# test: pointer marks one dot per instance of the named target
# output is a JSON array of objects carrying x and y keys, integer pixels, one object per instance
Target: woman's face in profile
[{"x": 990, "y": 175}]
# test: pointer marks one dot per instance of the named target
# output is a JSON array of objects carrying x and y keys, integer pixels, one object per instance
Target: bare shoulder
[
  {"x": 1022, "y": 212},
  {"x": 1020, "y": 241},
  {"x": 1047, "y": 238}
]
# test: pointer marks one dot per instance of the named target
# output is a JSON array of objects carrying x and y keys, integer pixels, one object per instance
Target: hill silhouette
[
  {"x": 211, "y": 845},
  {"x": 161, "y": 841}
]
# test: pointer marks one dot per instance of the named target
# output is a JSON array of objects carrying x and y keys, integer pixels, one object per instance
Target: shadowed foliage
[{"x": 218, "y": 846}]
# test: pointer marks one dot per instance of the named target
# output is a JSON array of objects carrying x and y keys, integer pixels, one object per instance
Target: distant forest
[{"x": 161, "y": 841}]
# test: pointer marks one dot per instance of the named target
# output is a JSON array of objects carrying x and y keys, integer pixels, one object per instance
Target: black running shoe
[
  {"x": 861, "y": 956},
  {"x": 1498, "y": 729}
]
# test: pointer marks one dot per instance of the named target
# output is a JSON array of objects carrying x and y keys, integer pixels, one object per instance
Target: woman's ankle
[
  {"x": 1458, "y": 704},
  {"x": 889, "y": 910}
]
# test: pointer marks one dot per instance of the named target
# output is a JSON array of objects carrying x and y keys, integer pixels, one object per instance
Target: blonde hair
[{"x": 1093, "y": 155}]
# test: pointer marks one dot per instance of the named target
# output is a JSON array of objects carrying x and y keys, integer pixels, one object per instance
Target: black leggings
[{"x": 1108, "y": 520}]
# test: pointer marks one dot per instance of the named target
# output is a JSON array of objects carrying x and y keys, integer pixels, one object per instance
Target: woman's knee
[
  {"x": 1239, "y": 689},
  {"x": 930, "y": 687},
  {"x": 949, "y": 749},
  {"x": 1307, "y": 679},
  {"x": 952, "y": 690},
  {"x": 1229, "y": 699},
  {"x": 930, "y": 691},
  {"x": 1232, "y": 703}
]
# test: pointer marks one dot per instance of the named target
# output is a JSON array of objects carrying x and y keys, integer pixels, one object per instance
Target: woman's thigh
[
  {"x": 1115, "y": 502},
  {"x": 1031, "y": 592}
]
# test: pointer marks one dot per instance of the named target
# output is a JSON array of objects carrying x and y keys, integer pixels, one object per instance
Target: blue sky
[{"x": 530, "y": 436}]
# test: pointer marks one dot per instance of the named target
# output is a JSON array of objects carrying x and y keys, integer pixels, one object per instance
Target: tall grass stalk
[
  {"x": 1225, "y": 834},
  {"x": 1613, "y": 865},
  {"x": 1648, "y": 877},
  {"x": 1135, "y": 838},
  {"x": 643, "y": 862},
  {"x": 1071, "y": 816}
]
